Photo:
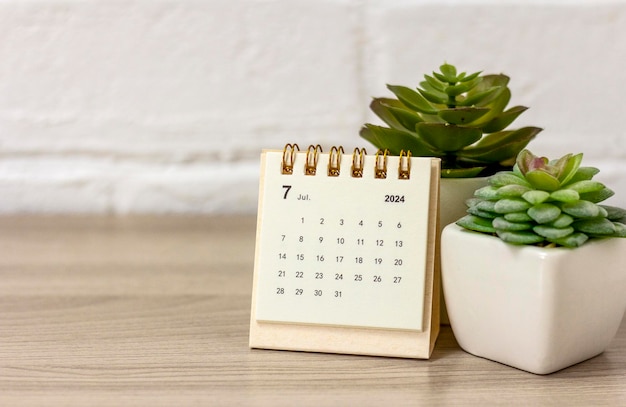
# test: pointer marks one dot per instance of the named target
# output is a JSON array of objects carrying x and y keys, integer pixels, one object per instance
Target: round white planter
[
  {"x": 532, "y": 308},
  {"x": 453, "y": 192}
]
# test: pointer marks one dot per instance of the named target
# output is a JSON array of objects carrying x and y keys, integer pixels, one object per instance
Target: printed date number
[{"x": 394, "y": 198}]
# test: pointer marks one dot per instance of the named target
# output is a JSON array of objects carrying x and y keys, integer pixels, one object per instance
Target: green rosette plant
[
  {"x": 458, "y": 117},
  {"x": 545, "y": 203}
]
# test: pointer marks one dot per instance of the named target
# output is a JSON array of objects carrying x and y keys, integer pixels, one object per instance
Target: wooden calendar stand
[{"x": 337, "y": 286}]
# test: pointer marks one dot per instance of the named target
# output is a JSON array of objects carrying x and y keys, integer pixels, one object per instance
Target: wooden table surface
[{"x": 155, "y": 311}]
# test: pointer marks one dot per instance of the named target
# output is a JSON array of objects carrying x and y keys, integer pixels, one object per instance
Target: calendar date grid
[{"x": 335, "y": 257}]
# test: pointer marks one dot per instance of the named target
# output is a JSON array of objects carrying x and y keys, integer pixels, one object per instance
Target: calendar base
[{"x": 353, "y": 341}]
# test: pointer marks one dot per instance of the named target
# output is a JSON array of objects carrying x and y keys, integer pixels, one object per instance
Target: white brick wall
[{"x": 163, "y": 105}]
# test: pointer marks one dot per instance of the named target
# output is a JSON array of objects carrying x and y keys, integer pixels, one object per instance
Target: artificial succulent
[
  {"x": 458, "y": 117},
  {"x": 544, "y": 202}
]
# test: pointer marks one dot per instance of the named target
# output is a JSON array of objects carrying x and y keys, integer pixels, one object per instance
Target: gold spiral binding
[
  {"x": 358, "y": 159},
  {"x": 380, "y": 171},
  {"x": 404, "y": 166},
  {"x": 312, "y": 155},
  {"x": 334, "y": 161},
  {"x": 289, "y": 155}
]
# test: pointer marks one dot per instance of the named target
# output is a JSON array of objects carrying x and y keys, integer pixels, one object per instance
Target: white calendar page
[{"x": 342, "y": 251}]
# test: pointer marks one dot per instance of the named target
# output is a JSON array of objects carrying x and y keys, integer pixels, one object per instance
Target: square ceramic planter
[{"x": 536, "y": 309}]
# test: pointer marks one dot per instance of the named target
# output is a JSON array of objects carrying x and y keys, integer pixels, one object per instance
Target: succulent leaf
[
  {"x": 477, "y": 98},
  {"x": 466, "y": 78},
  {"x": 489, "y": 193},
  {"x": 497, "y": 147},
  {"x": 512, "y": 191},
  {"x": 581, "y": 209},
  {"x": 497, "y": 106},
  {"x": 584, "y": 173},
  {"x": 550, "y": 232},
  {"x": 447, "y": 137},
  {"x": 487, "y": 206},
  {"x": 483, "y": 214},
  {"x": 614, "y": 213},
  {"x": 435, "y": 83},
  {"x": 427, "y": 87},
  {"x": 504, "y": 178},
  {"x": 620, "y": 230},
  {"x": 463, "y": 115},
  {"x": 598, "y": 196},
  {"x": 517, "y": 217},
  {"x": 597, "y": 226},
  {"x": 558, "y": 167},
  {"x": 508, "y": 205},
  {"x": 406, "y": 118},
  {"x": 536, "y": 197},
  {"x": 527, "y": 161},
  {"x": 476, "y": 223},
  {"x": 586, "y": 186},
  {"x": 380, "y": 107},
  {"x": 565, "y": 195},
  {"x": 449, "y": 72},
  {"x": 413, "y": 99},
  {"x": 542, "y": 180},
  {"x": 440, "y": 77},
  {"x": 456, "y": 90},
  {"x": 571, "y": 241},
  {"x": 567, "y": 167},
  {"x": 493, "y": 80},
  {"x": 544, "y": 213},
  {"x": 520, "y": 237},
  {"x": 437, "y": 98},
  {"x": 396, "y": 141},
  {"x": 501, "y": 121},
  {"x": 561, "y": 221},
  {"x": 501, "y": 223},
  {"x": 495, "y": 99}
]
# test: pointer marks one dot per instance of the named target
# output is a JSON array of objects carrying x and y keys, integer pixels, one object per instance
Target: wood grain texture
[{"x": 155, "y": 311}]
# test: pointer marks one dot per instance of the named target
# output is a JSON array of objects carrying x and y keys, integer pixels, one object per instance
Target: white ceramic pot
[
  {"x": 453, "y": 192},
  {"x": 536, "y": 309}
]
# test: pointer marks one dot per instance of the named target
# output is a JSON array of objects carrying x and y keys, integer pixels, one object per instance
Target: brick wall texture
[{"x": 163, "y": 106}]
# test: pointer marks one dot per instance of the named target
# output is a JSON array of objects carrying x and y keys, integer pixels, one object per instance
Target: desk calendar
[{"x": 345, "y": 253}]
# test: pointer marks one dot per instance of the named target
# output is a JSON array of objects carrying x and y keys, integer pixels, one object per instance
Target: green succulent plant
[
  {"x": 457, "y": 117},
  {"x": 544, "y": 202}
]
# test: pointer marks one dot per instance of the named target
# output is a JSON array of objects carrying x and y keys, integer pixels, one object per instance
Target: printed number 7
[{"x": 287, "y": 188}]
